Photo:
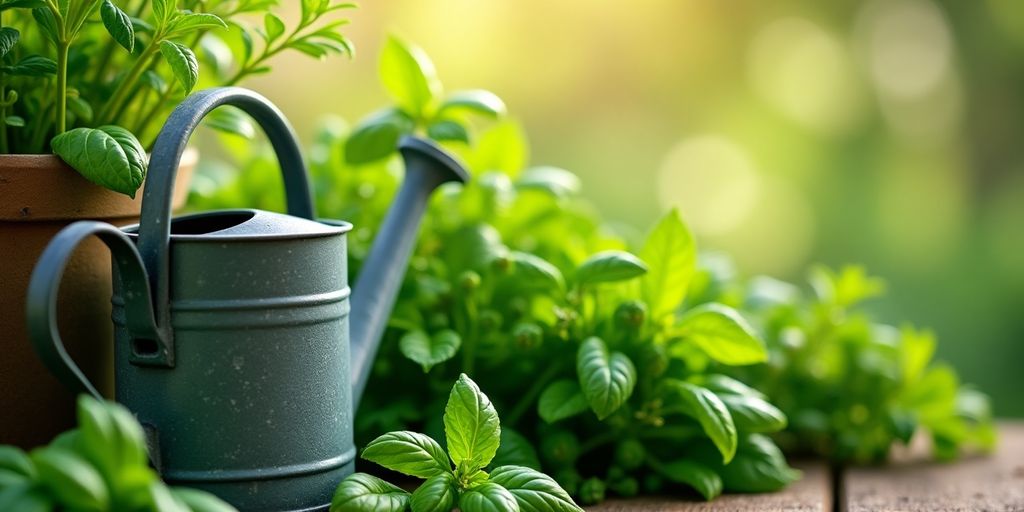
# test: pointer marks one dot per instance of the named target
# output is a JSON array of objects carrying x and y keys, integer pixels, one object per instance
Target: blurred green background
[{"x": 888, "y": 132}]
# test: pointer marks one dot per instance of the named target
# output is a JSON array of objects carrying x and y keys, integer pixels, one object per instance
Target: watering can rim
[{"x": 325, "y": 227}]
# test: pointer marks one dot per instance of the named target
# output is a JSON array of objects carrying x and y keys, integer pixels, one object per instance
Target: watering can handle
[
  {"x": 154, "y": 224},
  {"x": 45, "y": 283}
]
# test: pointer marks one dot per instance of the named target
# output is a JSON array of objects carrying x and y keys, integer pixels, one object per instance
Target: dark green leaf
[
  {"x": 476, "y": 101},
  {"x": 362, "y": 493},
  {"x": 47, "y": 23},
  {"x": 118, "y": 25},
  {"x": 22, "y": 4},
  {"x": 437, "y": 494},
  {"x": 671, "y": 257},
  {"x": 408, "y": 453},
  {"x": 377, "y": 136},
  {"x": 607, "y": 379},
  {"x": 109, "y": 156},
  {"x": 488, "y": 497},
  {"x": 610, "y": 266},
  {"x": 471, "y": 426},
  {"x": 448, "y": 130},
  {"x": 8, "y": 38},
  {"x": 759, "y": 466},
  {"x": 722, "y": 334},
  {"x": 409, "y": 76},
  {"x": 534, "y": 491},
  {"x": 561, "y": 399},
  {"x": 712, "y": 414},
  {"x": 183, "y": 63},
  {"x": 694, "y": 474},
  {"x": 33, "y": 65}
]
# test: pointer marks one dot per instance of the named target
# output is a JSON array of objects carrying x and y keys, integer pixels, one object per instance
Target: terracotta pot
[{"x": 39, "y": 195}]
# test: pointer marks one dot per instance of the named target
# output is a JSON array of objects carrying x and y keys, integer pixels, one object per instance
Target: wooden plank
[
  {"x": 912, "y": 483},
  {"x": 812, "y": 493}
]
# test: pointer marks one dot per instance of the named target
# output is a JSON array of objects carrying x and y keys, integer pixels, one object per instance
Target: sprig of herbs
[
  {"x": 101, "y": 466},
  {"x": 456, "y": 478}
]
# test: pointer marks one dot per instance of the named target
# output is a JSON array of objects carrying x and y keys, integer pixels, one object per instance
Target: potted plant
[{"x": 84, "y": 88}]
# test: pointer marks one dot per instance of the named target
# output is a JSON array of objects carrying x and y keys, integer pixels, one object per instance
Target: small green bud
[
  {"x": 654, "y": 359},
  {"x": 527, "y": 335},
  {"x": 630, "y": 454},
  {"x": 592, "y": 491},
  {"x": 502, "y": 263},
  {"x": 630, "y": 315},
  {"x": 469, "y": 280},
  {"x": 490, "y": 320}
]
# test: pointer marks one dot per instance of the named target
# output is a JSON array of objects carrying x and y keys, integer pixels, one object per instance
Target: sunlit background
[{"x": 887, "y": 132}]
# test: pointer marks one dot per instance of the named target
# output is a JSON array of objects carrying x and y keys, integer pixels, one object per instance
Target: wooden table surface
[{"x": 911, "y": 483}]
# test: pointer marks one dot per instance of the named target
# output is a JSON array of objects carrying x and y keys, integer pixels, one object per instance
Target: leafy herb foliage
[
  {"x": 100, "y": 466},
  {"x": 472, "y": 433}
]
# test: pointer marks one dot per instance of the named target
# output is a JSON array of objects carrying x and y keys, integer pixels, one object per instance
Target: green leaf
[
  {"x": 200, "y": 501},
  {"x": 47, "y": 23},
  {"x": 183, "y": 63},
  {"x": 712, "y": 414},
  {"x": 561, "y": 399},
  {"x": 80, "y": 108},
  {"x": 694, "y": 474},
  {"x": 722, "y": 334},
  {"x": 360, "y": 492},
  {"x": 15, "y": 121},
  {"x": 22, "y": 4},
  {"x": 471, "y": 426},
  {"x": 607, "y": 379},
  {"x": 502, "y": 147},
  {"x": 610, "y": 266},
  {"x": 118, "y": 25},
  {"x": 109, "y": 156},
  {"x": 33, "y": 65},
  {"x": 409, "y": 77},
  {"x": 535, "y": 273},
  {"x": 448, "y": 130},
  {"x": 437, "y": 494},
  {"x": 555, "y": 181},
  {"x": 515, "y": 450},
  {"x": 534, "y": 491},
  {"x": 488, "y": 497},
  {"x": 71, "y": 479},
  {"x": 228, "y": 119},
  {"x": 477, "y": 101},
  {"x": 918, "y": 347},
  {"x": 671, "y": 257},
  {"x": 759, "y": 466},
  {"x": 752, "y": 414},
  {"x": 15, "y": 465},
  {"x": 273, "y": 26},
  {"x": 724, "y": 385},
  {"x": 163, "y": 11},
  {"x": 25, "y": 498},
  {"x": 408, "y": 453},
  {"x": 377, "y": 136},
  {"x": 197, "y": 21},
  {"x": 8, "y": 38},
  {"x": 429, "y": 351}
]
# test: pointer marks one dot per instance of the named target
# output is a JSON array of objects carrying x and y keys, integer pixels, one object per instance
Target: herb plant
[
  {"x": 100, "y": 466},
  {"x": 587, "y": 349},
  {"x": 472, "y": 433},
  {"x": 852, "y": 387},
  {"x": 92, "y": 80}
]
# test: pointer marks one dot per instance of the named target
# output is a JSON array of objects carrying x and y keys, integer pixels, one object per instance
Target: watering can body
[{"x": 239, "y": 344}]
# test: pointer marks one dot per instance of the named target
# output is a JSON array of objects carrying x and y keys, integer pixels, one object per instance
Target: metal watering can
[{"x": 233, "y": 344}]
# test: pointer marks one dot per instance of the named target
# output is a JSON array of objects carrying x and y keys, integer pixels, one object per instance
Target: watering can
[{"x": 233, "y": 344}]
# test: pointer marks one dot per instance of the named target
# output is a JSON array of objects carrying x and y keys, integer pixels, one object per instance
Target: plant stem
[
  {"x": 128, "y": 82},
  {"x": 531, "y": 394}
]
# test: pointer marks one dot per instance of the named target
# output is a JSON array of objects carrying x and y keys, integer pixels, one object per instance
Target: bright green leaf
[
  {"x": 471, "y": 425},
  {"x": 197, "y": 21},
  {"x": 109, "y": 156},
  {"x": 448, "y": 131},
  {"x": 488, "y": 497},
  {"x": 694, "y": 474},
  {"x": 428, "y": 351},
  {"x": 534, "y": 491},
  {"x": 722, "y": 334},
  {"x": 377, "y": 136},
  {"x": 70, "y": 479},
  {"x": 362, "y": 493},
  {"x": 561, "y": 399},
  {"x": 712, "y": 414},
  {"x": 408, "y": 453},
  {"x": 752, "y": 414},
  {"x": 553, "y": 180},
  {"x": 610, "y": 266},
  {"x": 476, "y": 101},
  {"x": 183, "y": 63},
  {"x": 409, "y": 76},
  {"x": 606, "y": 378},
  {"x": 532, "y": 271},
  {"x": 437, "y": 494},
  {"x": 671, "y": 257},
  {"x": 502, "y": 147},
  {"x": 273, "y": 26}
]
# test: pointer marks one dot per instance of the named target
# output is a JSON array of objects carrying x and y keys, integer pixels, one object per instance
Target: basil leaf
[
  {"x": 671, "y": 257},
  {"x": 163, "y": 11},
  {"x": 694, "y": 474},
  {"x": 437, "y": 494},
  {"x": 502, "y": 147},
  {"x": 534, "y": 273},
  {"x": 477, "y": 101},
  {"x": 488, "y": 497},
  {"x": 273, "y": 26},
  {"x": 752, "y": 414},
  {"x": 515, "y": 450},
  {"x": 472, "y": 247},
  {"x": 561, "y": 399},
  {"x": 118, "y": 25},
  {"x": 183, "y": 63},
  {"x": 228, "y": 119},
  {"x": 200, "y": 501},
  {"x": 428, "y": 351},
  {"x": 471, "y": 425},
  {"x": 759, "y": 466},
  {"x": 408, "y": 453},
  {"x": 725, "y": 385},
  {"x": 534, "y": 491},
  {"x": 712, "y": 414},
  {"x": 408, "y": 76},
  {"x": 47, "y": 23},
  {"x": 448, "y": 130},
  {"x": 70, "y": 479},
  {"x": 197, "y": 21},
  {"x": 377, "y": 136},
  {"x": 360, "y": 492},
  {"x": 22, "y": 4},
  {"x": 15, "y": 461},
  {"x": 25, "y": 498},
  {"x": 15, "y": 121},
  {"x": 8, "y": 38},
  {"x": 33, "y": 65},
  {"x": 109, "y": 156},
  {"x": 610, "y": 266},
  {"x": 721, "y": 333},
  {"x": 555, "y": 181},
  {"x": 607, "y": 379}
]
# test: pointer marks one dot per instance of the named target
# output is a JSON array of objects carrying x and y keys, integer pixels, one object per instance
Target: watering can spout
[{"x": 427, "y": 166}]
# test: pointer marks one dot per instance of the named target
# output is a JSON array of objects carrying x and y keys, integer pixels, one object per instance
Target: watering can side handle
[
  {"x": 44, "y": 286},
  {"x": 155, "y": 222}
]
